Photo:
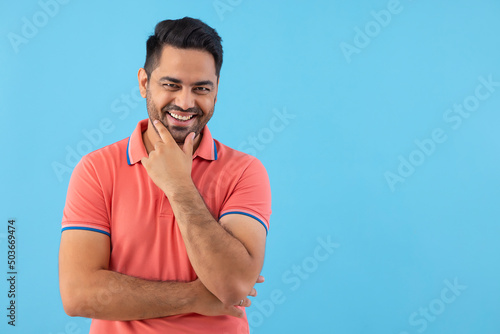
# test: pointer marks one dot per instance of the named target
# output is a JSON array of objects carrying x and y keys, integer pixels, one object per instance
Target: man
[{"x": 164, "y": 232}]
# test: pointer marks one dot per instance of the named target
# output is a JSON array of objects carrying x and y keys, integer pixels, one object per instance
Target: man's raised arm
[{"x": 228, "y": 255}]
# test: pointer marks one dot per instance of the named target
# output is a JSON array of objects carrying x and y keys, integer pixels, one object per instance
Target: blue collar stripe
[{"x": 128, "y": 157}]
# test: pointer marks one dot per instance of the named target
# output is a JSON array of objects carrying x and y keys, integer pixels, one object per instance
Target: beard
[{"x": 179, "y": 133}]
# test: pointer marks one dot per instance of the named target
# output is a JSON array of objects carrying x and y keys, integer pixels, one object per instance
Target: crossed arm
[
  {"x": 227, "y": 255},
  {"x": 90, "y": 289}
]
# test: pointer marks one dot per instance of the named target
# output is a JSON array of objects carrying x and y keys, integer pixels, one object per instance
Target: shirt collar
[{"x": 136, "y": 149}]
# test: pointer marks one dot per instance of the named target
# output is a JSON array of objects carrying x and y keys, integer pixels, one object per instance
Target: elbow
[
  {"x": 70, "y": 307},
  {"x": 75, "y": 307},
  {"x": 74, "y": 303},
  {"x": 232, "y": 290},
  {"x": 70, "y": 310},
  {"x": 233, "y": 295}
]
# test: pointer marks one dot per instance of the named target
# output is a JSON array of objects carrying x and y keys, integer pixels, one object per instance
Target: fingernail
[{"x": 155, "y": 121}]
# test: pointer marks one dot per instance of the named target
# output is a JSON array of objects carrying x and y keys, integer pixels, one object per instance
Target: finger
[
  {"x": 244, "y": 303},
  {"x": 260, "y": 279},
  {"x": 144, "y": 161},
  {"x": 165, "y": 135},
  {"x": 253, "y": 293},
  {"x": 236, "y": 312},
  {"x": 188, "y": 144}
]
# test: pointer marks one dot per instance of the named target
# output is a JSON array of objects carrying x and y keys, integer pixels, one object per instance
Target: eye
[
  {"x": 170, "y": 86},
  {"x": 202, "y": 90}
]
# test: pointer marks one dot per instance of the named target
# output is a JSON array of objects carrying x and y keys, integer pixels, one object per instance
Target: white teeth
[{"x": 182, "y": 118}]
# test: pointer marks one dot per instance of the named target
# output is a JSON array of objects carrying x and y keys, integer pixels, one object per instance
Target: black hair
[{"x": 185, "y": 33}]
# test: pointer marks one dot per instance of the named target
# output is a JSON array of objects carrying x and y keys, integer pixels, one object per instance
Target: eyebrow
[{"x": 177, "y": 81}]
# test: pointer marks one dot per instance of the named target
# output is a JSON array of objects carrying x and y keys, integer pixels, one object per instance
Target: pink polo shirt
[{"x": 110, "y": 192}]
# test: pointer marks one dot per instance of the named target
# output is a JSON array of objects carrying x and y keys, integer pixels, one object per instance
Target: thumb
[
  {"x": 236, "y": 312},
  {"x": 188, "y": 144}
]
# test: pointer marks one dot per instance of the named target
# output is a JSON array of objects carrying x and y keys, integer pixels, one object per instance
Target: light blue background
[{"x": 353, "y": 117}]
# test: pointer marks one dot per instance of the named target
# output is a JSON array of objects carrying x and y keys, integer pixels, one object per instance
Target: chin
[{"x": 180, "y": 137}]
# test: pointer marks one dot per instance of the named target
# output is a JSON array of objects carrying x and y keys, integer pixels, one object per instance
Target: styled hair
[{"x": 185, "y": 33}]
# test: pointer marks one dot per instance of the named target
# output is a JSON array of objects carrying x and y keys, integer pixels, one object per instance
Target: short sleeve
[
  {"x": 251, "y": 195},
  {"x": 85, "y": 207}
]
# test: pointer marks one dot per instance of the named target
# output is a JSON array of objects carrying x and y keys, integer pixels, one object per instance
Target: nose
[{"x": 185, "y": 99}]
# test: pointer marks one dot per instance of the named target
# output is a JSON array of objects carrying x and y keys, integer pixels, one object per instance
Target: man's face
[{"x": 181, "y": 92}]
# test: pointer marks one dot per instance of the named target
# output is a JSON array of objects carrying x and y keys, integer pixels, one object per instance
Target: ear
[
  {"x": 217, "y": 90},
  {"x": 142, "y": 77}
]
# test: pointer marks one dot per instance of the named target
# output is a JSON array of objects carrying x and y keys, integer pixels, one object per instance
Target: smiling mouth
[{"x": 180, "y": 117}]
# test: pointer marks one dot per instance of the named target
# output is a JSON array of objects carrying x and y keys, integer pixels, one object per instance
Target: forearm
[
  {"x": 113, "y": 296},
  {"x": 220, "y": 260}
]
